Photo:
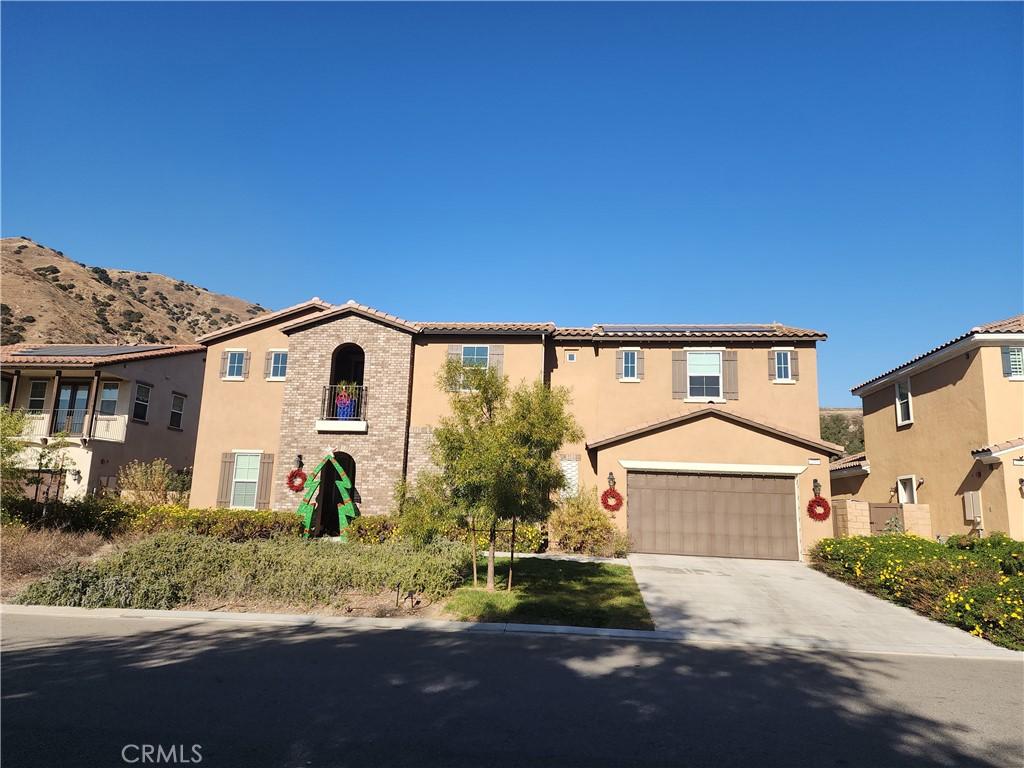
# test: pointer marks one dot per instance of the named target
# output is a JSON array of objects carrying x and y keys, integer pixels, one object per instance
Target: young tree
[
  {"x": 496, "y": 448},
  {"x": 839, "y": 428},
  {"x": 12, "y": 448}
]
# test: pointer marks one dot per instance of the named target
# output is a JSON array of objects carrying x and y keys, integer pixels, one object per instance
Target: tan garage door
[{"x": 716, "y": 515}]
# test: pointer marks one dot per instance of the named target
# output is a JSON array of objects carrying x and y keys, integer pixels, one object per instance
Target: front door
[{"x": 71, "y": 404}]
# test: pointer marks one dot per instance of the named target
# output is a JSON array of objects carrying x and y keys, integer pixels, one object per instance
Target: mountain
[{"x": 47, "y": 297}]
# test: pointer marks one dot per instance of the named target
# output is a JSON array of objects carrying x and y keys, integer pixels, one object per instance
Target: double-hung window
[
  {"x": 244, "y": 478},
  {"x": 140, "y": 408},
  {"x": 177, "y": 410},
  {"x": 783, "y": 368},
  {"x": 278, "y": 365},
  {"x": 704, "y": 374},
  {"x": 904, "y": 407},
  {"x": 37, "y": 396},
  {"x": 234, "y": 365},
  {"x": 108, "y": 398}
]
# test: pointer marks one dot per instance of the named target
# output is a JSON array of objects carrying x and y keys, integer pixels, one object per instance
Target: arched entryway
[{"x": 326, "y": 522}]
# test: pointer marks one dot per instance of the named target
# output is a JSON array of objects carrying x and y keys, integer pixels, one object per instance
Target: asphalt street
[{"x": 87, "y": 691}]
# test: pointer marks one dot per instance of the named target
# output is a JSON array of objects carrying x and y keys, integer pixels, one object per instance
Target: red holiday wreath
[
  {"x": 818, "y": 508},
  {"x": 611, "y": 500},
  {"x": 296, "y": 480}
]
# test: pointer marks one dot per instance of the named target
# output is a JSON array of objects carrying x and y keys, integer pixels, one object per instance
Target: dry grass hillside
[{"x": 47, "y": 297}]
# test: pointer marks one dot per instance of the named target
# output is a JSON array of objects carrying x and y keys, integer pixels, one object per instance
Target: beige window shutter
[
  {"x": 730, "y": 375},
  {"x": 245, "y": 364},
  {"x": 771, "y": 365},
  {"x": 618, "y": 363},
  {"x": 263, "y": 484},
  {"x": 455, "y": 352},
  {"x": 678, "y": 374},
  {"x": 266, "y": 364},
  {"x": 223, "y": 364},
  {"x": 640, "y": 364},
  {"x": 794, "y": 365},
  {"x": 496, "y": 358},
  {"x": 227, "y": 468}
]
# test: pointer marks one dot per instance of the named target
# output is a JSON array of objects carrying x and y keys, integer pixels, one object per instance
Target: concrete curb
[{"x": 440, "y": 625}]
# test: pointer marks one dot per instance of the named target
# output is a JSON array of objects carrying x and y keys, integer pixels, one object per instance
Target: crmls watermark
[{"x": 175, "y": 754}]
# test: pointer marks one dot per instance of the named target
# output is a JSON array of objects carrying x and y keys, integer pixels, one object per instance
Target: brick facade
[
  {"x": 379, "y": 454},
  {"x": 421, "y": 442}
]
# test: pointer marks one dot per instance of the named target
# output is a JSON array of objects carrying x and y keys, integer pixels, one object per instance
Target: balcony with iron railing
[
  {"x": 74, "y": 423},
  {"x": 342, "y": 408}
]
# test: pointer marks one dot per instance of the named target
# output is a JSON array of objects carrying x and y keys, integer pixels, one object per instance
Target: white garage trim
[{"x": 718, "y": 469}]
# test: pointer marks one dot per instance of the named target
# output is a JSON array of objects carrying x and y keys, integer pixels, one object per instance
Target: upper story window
[
  {"x": 108, "y": 398},
  {"x": 234, "y": 364},
  {"x": 629, "y": 364},
  {"x": 904, "y": 407},
  {"x": 704, "y": 374},
  {"x": 277, "y": 364},
  {"x": 140, "y": 408},
  {"x": 570, "y": 356},
  {"x": 783, "y": 370},
  {"x": 37, "y": 396},
  {"x": 177, "y": 410},
  {"x": 1013, "y": 363},
  {"x": 474, "y": 357}
]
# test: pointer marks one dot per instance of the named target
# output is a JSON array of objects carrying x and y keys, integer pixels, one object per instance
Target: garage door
[{"x": 716, "y": 515}]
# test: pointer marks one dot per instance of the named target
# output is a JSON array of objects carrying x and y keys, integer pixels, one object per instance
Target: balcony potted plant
[{"x": 345, "y": 400}]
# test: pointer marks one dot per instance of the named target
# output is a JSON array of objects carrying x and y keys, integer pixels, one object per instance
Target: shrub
[
  {"x": 173, "y": 569},
  {"x": 580, "y": 525},
  {"x": 372, "y": 529},
  {"x": 27, "y": 552},
  {"x": 155, "y": 482},
  {"x": 231, "y": 524},
  {"x": 105, "y": 516},
  {"x": 970, "y": 582}
]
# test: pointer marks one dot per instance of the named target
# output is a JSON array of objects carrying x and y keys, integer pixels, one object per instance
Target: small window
[
  {"x": 570, "y": 357},
  {"x": 904, "y": 408},
  {"x": 906, "y": 490},
  {"x": 782, "y": 369},
  {"x": 243, "y": 480},
  {"x": 140, "y": 409},
  {"x": 1016, "y": 357},
  {"x": 704, "y": 374},
  {"x": 108, "y": 398},
  {"x": 177, "y": 410},
  {"x": 278, "y": 365},
  {"x": 235, "y": 365},
  {"x": 474, "y": 357},
  {"x": 629, "y": 365},
  {"x": 37, "y": 396}
]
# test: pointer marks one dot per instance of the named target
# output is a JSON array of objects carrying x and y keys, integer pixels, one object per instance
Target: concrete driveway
[{"x": 786, "y": 604}]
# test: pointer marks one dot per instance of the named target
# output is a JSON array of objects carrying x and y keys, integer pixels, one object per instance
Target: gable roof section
[
  {"x": 671, "y": 421},
  {"x": 693, "y": 332},
  {"x": 259, "y": 321},
  {"x": 1013, "y": 324},
  {"x": 351, "y": 307},
  {"x": 87, "y": 355}
]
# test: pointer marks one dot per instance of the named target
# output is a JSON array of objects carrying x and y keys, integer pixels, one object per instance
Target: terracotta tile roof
[
  {"x": 315, "y": 303},
  {"x": 51, "y": 355},
  {"x": 499, "y": 328},
  {"x": 679, "y": 418},
  {"x": 853, "y": 461},
  {"x": 1013, "y": 324},
  {"x": 693, "y": 331},
  {"x": 353, "y": 307},
  {"x": 1006, "y": 445}
]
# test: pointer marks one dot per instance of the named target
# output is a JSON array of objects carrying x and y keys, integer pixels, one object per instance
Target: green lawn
[{"x": 556, "y": 592}]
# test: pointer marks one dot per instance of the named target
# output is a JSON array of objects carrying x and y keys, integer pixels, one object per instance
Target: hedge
[
  {"x": 976, "y": 584},
  {"x": 172, "y": 569},
  {"x": 232, "y": 524},
  {"x": 107, "y": 517}
]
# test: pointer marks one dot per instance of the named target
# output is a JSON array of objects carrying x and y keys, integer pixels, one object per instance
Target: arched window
[{"x": 347, "y": 364}]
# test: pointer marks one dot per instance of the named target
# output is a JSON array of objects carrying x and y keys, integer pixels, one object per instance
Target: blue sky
[{"x": 854, "y": 168}]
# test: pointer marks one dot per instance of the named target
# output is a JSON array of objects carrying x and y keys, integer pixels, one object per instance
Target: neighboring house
[
  {"x": 710, "y": 432},
  {"x": 114, "y": 403},
  {"x": 945, "y": 429}
]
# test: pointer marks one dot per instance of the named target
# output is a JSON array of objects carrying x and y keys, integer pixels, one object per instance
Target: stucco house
[
  {"x": 114, "y": 403},
  {"x": 710, "y": 432},
  {"x": 945, "y": 429}
]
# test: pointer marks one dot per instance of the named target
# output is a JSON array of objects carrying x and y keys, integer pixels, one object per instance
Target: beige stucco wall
[
  {"x": 950, "y": 417},
  {"x": 237, "y": 414},
  {"x": 523, "y": 361},
  {"x": 714, "y": 440}
]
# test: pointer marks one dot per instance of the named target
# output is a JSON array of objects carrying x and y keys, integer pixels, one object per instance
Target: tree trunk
[
  {"x": 472, "y": 540},
  {"x": 511, "y": 553},
  {"x": 490, "y": 555}
]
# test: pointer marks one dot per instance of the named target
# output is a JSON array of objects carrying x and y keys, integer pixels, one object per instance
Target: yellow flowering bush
[
  {"x": 232, "y": 524},
  {"x": 975, "y": 584}
]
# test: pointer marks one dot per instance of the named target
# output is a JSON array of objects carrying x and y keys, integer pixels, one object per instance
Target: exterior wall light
[
  {"x": 611, "y": 480},
  {"x": 298, "y": 461}
]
